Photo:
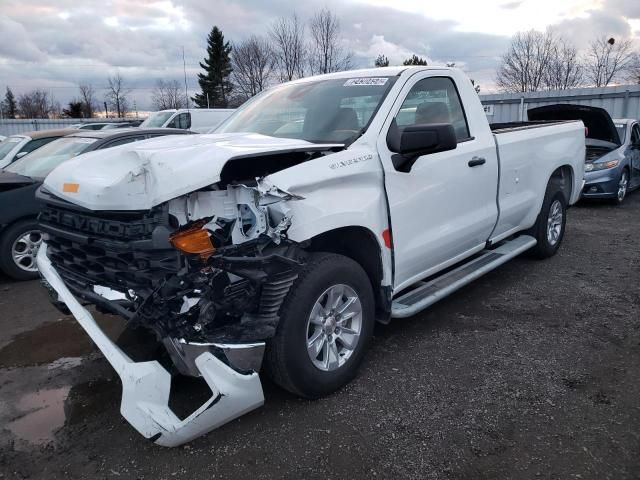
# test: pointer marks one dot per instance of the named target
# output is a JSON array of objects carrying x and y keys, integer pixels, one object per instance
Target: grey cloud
[
  {"x": 581, "y": 31},
  {"x": 41, "y": 48},
  {"x": 626, "y": 8},
  {"x": 511, "y": 5}
]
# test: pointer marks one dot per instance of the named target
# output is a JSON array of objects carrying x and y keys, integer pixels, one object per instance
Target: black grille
[{"x": 120, "y": 250}]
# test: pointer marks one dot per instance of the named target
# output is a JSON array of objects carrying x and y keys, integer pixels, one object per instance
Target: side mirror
[
  {"x": 422, "y": 139},
  {"x": 414, "y": 141},
  {"x": 20, "y": 155}
]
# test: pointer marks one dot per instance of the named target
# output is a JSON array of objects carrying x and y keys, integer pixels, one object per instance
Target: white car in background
[
  {"x": 17, "y": 146},
  {"x": 195, "y": 119},
  {"x": 2, "y": 138}
]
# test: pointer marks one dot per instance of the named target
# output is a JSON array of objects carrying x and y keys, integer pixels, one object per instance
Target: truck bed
[{"x": 499, "y": 128}]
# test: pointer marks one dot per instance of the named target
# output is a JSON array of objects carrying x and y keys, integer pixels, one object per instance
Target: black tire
[
  {"x": 545, "y": 248},
  {"x": 618, "y": 200},
  {"x": 287, "y": 360},
  {"x": 9, "y": 236}
]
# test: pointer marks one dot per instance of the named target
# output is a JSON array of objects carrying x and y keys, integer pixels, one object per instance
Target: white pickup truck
[{"x": 320, "y": 207}]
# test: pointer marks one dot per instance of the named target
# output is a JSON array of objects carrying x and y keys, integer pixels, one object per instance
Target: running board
[{"x": 428, "y": 293}]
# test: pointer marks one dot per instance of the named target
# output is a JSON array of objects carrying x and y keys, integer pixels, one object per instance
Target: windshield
[
  {"x": 8, "y": 144},
  {"x": 324, "y": 111},
  {"x": 39, "y": 163},
  {"x": 156, "y": 120},
  {"x": 622, "y": 130}
]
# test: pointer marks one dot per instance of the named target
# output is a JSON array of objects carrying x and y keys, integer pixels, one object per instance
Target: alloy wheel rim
[
  {"x": 334, "y": 327},
  {"x": 622, "y": 186},
  {"x": 24, "y": 250},
  {"x": 554, "y": 223}
]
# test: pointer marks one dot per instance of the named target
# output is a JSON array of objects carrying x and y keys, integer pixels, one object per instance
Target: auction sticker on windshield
[{"x": 375, "y": 81}]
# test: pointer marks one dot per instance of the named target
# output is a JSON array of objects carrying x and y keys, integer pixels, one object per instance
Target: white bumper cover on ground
[{"x": 146, "y": 385}]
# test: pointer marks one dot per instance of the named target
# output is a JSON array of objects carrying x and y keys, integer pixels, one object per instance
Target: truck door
[{"x": 444, "y": 208}]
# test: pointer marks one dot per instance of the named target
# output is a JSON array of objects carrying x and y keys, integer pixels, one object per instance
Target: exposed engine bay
[{"x": 209, "y": 267}]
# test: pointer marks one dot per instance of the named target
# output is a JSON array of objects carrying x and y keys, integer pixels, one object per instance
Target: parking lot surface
[{"x": 531, "y": 372}]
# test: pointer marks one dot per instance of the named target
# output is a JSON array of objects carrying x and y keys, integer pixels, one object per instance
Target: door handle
[{"x": 476, "y": 161}]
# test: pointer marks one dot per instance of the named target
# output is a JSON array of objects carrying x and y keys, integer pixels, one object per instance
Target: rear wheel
[
  {"x": 325, "y": 325},
  {"x": 549, "y": 227},
  {"x": 19, "y": 247}
]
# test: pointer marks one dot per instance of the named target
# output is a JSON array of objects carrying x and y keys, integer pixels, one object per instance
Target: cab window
[
  {"x": 434, "y": 100},
  {"x": 182, "y": 121}
]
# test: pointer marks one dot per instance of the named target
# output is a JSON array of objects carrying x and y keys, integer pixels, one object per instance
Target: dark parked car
[
  {"x": 17, "y": 146},
  {"x": 20, "y": 237}
]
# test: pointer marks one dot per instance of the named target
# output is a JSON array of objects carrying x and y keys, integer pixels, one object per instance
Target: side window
[
  {"x": 182, "y": 121},
  {"x": 35, "y": 144},
  {"x": 121, "y": 141},
  {"x": 635, "y": 135},
  {"x": 434, "y": 100}
]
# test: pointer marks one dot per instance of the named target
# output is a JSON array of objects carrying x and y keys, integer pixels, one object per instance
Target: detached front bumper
[{"x": 146, "y": 385}]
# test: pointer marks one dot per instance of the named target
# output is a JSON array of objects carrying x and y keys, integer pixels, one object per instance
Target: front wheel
[
  {"x": 19, "y": 246},
  {"x": 550, "y": 224},
  {"x": 623, "y": 186},
  {"x": 325, "y": 325}
]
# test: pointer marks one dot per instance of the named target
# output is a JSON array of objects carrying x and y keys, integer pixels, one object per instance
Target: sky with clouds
[{"x": 57, "y": 44}]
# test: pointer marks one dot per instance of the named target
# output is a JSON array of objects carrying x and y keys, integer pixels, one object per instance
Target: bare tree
[
  {"x": 117, "y": 95},
  {"x": 524, "y": 66},
  {"x": 326, "y": 52},
  {"x": 565, "y": 69},
  {"x": 88, "y": 99},
  {"x": 168, "y": 95},
  {"x": 608, "y": 60},
  {"x": 253, "y": 64},
  {"x": 34, "y": 104},
  {"x": 288, "y": 39}
]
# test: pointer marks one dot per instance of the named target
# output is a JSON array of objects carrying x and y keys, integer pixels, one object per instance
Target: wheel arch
[
  {"x": 13, "y": 221},
  {"x": 359, "y": 244},
  {"x": 563, "y": 177}
]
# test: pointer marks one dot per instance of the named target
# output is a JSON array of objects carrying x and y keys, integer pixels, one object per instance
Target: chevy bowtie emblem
[{"x": 71, "y": 187}]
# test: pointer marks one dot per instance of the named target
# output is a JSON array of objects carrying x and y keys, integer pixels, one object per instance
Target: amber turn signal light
[{"x": 193, "y": 240}]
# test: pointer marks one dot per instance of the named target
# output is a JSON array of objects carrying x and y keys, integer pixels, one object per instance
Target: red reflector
[{"x": 386, "y": 236}]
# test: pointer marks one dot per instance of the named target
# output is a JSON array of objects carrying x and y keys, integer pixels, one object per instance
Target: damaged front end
[{"x": 206, "y": 272}]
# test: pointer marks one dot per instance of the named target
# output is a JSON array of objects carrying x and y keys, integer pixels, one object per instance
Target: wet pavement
[{"x": 531, "y": 372}]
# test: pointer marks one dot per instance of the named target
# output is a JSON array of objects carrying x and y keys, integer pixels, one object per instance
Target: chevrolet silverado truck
[{"x": 274, "y": 244}]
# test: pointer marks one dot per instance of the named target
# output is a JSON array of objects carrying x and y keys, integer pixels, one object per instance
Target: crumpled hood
[{"x": 139, "y": 176}]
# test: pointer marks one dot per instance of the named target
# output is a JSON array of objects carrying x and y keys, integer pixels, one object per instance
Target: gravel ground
[{"x": 531, "y": 372}]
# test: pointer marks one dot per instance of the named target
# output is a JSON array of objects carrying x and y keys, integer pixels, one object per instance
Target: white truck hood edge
[{"x": 139, "y": 176}]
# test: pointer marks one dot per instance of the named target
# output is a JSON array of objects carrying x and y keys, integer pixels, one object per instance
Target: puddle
[
  {"x": 65, "y": 363},
  {"x": 43, "y": 415},
  {"x": 54, "y": 341}
]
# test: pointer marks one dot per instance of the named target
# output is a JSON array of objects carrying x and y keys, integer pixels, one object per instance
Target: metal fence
[
  {"x": 14, "y": 126},
  {"x": 622, "y": 101}
]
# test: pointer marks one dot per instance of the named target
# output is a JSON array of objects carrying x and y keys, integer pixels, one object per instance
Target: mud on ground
[{"x": 531, "y": 372}]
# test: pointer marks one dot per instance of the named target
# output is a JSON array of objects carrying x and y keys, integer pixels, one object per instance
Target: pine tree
[
  {"x": 9, "y": 106},
  {"x": 415, "y": 60},
  {"x": 215, "y": 81},
  {"x": 382, "y": 61}
]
